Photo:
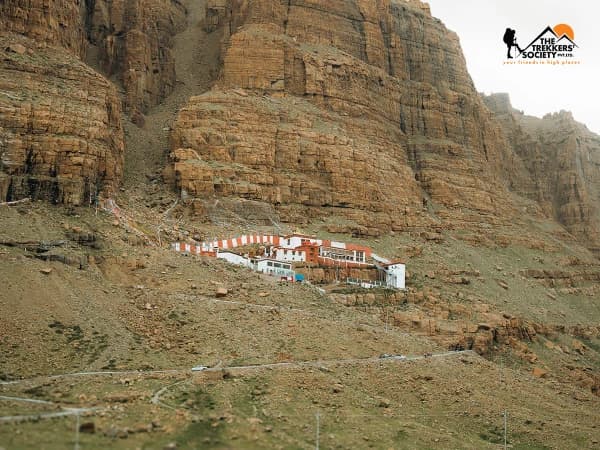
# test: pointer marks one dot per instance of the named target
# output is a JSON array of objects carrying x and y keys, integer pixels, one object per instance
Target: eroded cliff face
[
  {"x": 562, "y": 161},
  {"x": 128, "y": 39},
  {"x": 132, "y": 39},
  {"x": 357, "y": 108},
  {"x": 56, "y": 22},
  {"x": 60, "y": 121},
  {"x": 60, "y": 125}
]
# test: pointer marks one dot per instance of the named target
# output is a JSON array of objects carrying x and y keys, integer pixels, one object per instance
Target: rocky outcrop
[
  {"x": 60, "y": 122},
  {"x": 60, "y": 125},
  {"x": 362, "y": 109},
  {"x": 277, "y": 154},
  {"x": 56, "y": 22},
  {"x": 562, "y": 161},
  {"x": 127, "y": 39},
  {"x": 132, "y": 40}
]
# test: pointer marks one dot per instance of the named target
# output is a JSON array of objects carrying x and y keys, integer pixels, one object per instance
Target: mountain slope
[
  {"x": 562, "y": 158},
  {"x": 353, "y": 120}
]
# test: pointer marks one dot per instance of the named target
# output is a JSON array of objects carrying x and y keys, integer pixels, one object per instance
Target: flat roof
[
  {"x": 272, "y": 259},
  {"x": 299, "y": 235},
  {"x": 231, "y": 253},
  {"x": 394, "y": 264}
]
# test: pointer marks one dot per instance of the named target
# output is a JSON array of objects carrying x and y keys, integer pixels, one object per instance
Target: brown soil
[{"x": 82, "y": 291}]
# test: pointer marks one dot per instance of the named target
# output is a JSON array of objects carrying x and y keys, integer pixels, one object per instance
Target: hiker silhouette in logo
[{"x": 511, "y": 41}]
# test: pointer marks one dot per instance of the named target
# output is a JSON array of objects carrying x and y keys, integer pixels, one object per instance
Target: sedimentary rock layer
[
  {"x": 362, "y": 106},
  {"x": 60, "y": 125},
  {"x": 562, "y": 158},
  {"x": 57, "y": 22},
  {"x": 132, "y": 39}
]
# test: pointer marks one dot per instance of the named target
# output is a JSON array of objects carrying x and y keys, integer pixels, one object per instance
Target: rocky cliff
[
  {"x": 360, "y": 109},
  {"x": 562, "y": 161},
  {"x": 60, "y": 125},
  {"x": 56, "y": 22},
  {"x": 357, "y": 112},
  {"x": 132, "y": 41},
  {"x": 60, "y": 121}
]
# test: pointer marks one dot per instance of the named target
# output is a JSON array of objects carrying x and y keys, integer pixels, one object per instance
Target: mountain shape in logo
[
  {"x": 552, "y": 43},
  {"x": 565, "y": 37},
  {"x": 547, "y": 30}
]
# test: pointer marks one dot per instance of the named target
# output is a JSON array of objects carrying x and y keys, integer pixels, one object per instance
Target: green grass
[{"x": 201, "y": 434}]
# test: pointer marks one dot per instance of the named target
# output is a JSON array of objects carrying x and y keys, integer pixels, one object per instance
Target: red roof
[{"x": 358, "y": 247}]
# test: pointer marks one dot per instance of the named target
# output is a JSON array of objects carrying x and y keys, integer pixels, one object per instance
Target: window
[{"x": 269, "y": 263}]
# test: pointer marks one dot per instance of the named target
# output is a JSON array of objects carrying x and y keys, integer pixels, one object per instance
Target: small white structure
[
  {"x": 367, "y": 284},
  {"x": 233, "y": 258},
  {"x": 340, "y": 253},
  {"x": 297, "y": 240},
  {"x": 264, "y": 265},
  {"x": 289, "y": 255},
  {"x": 395, "y": 275}
]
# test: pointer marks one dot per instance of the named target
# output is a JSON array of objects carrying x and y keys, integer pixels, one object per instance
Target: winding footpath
[
  {"x": 157, "y": 396},
  {"x": 48, "y": 415}
]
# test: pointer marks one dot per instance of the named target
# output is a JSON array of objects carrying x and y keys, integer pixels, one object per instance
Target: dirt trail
[{"x": 196, "y": 56}]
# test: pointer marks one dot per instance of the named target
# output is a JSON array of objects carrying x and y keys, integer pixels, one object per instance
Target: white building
[
  {"x": 288, "y": 255},
  {"x": 297, "y": 240},
  {"x": 273, "y": 267},
  {"x": 264, "y": 265},
  {"x": 395, "y": 275},
  {"x": 234, "y": 258}
]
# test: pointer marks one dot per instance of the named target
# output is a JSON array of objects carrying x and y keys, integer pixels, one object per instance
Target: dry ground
[
  {"x": 141, "y": 307},
  {"x": 82, "y": 291}
]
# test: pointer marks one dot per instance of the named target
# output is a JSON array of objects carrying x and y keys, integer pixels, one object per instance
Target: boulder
[
  {"x": 221, "y": 292},
  {"x": 87, "y": 427}
]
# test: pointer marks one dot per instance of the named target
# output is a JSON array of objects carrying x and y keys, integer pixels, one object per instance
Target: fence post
[
  {"x": 318, "y": 426},
  {"x": 77, "y": 432},
  {"x": 505, "y": 414}
]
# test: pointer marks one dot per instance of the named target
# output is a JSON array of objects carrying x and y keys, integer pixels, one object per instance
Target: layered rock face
[
  {"x": 60, "y": 125},
  {"x": 562, "y": 161},
  {"x": 132, "y": 40},
  {"x": 57, "y": 22},
  {"x": 128, "y": 39},
  {"x": 357, "y": 108},
  {"x": 60, "y": 122}
]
